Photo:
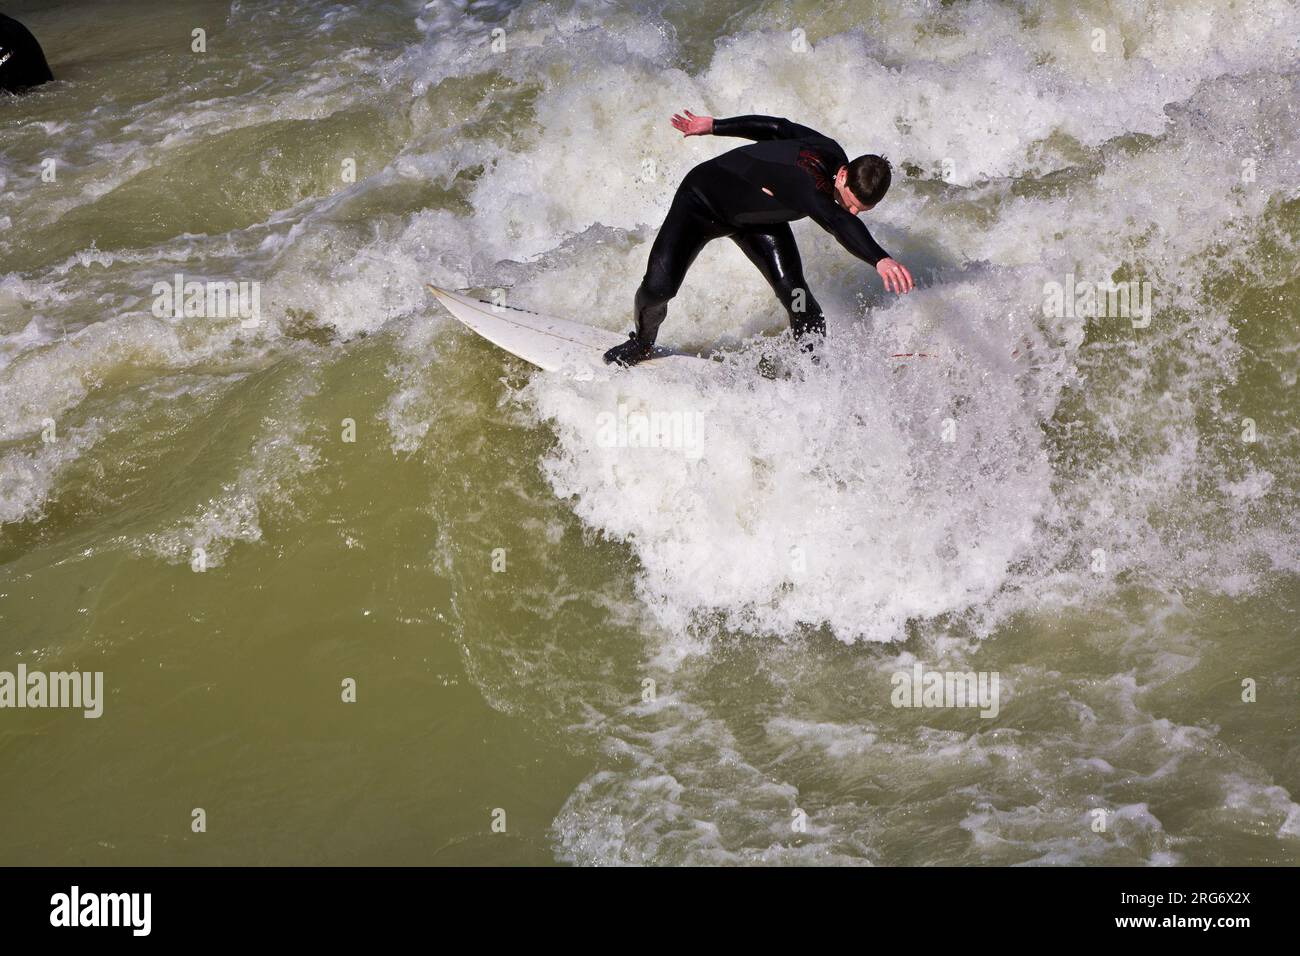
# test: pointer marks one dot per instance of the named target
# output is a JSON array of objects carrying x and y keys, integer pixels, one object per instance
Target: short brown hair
[{"x": 869, "y": 178}]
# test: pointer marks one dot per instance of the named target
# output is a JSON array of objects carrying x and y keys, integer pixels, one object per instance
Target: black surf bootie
[
  {"x": 812, "y": 339},
  {"x": 629, "y": 353}
]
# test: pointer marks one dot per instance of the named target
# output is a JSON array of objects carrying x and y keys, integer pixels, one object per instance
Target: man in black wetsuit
[
  {"x": 22, "y": 62},
  {"x": 752, "y": 194}
]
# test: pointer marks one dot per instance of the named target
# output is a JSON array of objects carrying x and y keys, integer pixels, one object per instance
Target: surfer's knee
[
  {"x": 22, "y": 61},
  {"x": 655, "y": 289}
]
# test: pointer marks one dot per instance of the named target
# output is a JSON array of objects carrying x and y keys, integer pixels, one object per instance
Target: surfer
[
  {"x": 752, "y": 194},
  {"x": 22, "y": 62}
]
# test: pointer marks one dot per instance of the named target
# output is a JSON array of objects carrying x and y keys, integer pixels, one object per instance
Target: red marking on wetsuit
[{"x": 813, "y": 164}]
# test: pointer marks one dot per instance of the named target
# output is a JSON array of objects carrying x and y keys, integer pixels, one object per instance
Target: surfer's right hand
[
  {"x": 692, "y": 125},
  {"x": 895, "y": 276}
]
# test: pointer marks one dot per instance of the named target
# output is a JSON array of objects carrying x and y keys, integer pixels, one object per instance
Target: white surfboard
[{"x": 555, "y": 345}]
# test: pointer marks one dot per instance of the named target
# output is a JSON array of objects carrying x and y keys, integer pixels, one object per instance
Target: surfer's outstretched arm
[
  {"x": 850, "y": 232},
  {"x": 761, "y": 128},
  {"x": 746, "y": 127},
  {"x": 847, "y": 229}
]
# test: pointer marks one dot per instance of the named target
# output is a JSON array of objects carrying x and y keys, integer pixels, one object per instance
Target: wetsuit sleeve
[
  {"x": 847, "y": 229},
  {"x": 761, "y": 128}
]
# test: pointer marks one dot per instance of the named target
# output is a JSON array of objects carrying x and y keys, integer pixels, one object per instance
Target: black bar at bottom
[{"x": 337, "y": 904}]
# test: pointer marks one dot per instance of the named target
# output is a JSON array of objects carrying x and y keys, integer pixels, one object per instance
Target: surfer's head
[{"x": 863, "y": 183}]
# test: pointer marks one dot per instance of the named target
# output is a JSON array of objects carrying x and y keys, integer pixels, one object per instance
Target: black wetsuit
[
  {"x": 22, "y": 62},
  {"x": 752, "y": 194}
]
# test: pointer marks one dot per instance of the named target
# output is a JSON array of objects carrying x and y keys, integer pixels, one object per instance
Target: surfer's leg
[
  {"x": 685, "y": 231},
  {"x": 773, "y": 250}
]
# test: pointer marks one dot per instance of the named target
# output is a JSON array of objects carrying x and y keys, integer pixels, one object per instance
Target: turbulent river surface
[{"x": 570, "y": 646}]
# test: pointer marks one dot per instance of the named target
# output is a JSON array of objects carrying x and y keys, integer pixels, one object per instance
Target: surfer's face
[{"x": 846, "y": 198}]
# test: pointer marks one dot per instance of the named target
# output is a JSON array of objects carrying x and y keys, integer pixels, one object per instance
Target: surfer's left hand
[
  {"x": 895, "y": 276},
  {"x": 692, "y": 125}
]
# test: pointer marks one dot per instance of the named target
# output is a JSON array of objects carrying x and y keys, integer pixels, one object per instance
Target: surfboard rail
[{"x": 550, "y": 343}]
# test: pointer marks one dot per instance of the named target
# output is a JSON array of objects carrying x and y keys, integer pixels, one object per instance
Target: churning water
[{"x": 649, "y": 654}]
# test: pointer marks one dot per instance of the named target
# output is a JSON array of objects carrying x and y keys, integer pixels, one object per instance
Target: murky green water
[{"x": 685, "y": 658}]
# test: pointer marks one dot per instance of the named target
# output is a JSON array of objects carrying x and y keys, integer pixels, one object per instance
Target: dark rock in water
[{"x": 22, "y": 62}]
